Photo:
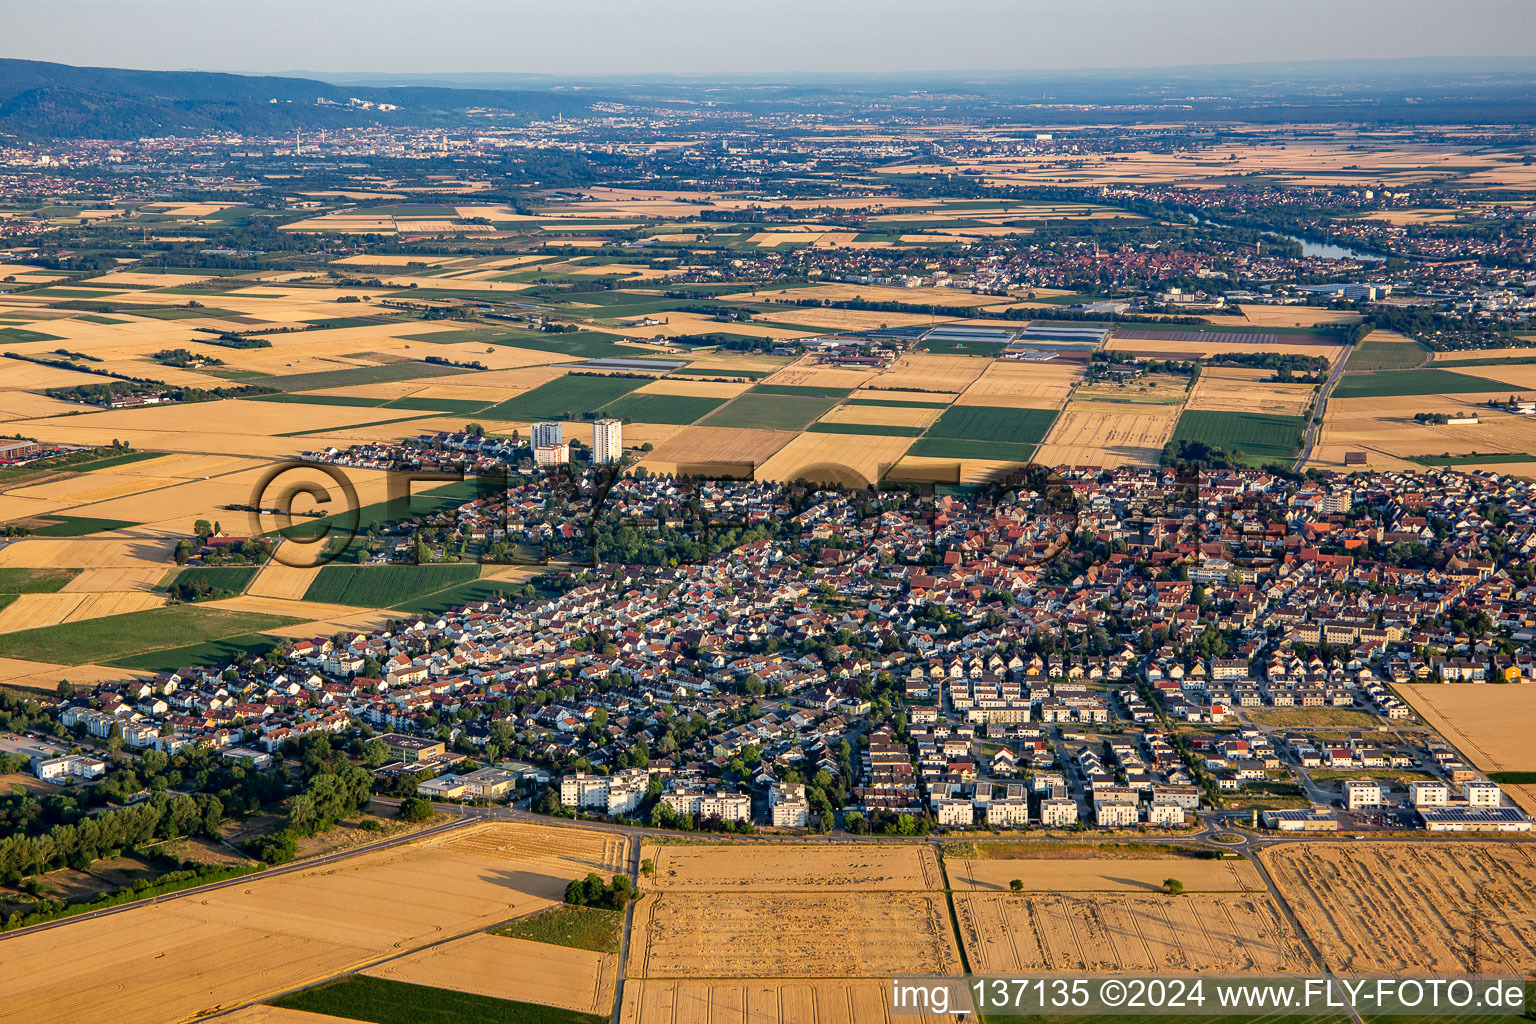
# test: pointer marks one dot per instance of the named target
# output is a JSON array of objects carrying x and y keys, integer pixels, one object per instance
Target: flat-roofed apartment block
[
  {"x": 551, "y": 454},
  {"x": 607, "y": 442},
  {"x": 413, "y": 748},
  {"x": 788, "y": 805},
  {"x": 1429, "y": 794},
  {"x": 1361, "y": 793},
  {"x": 708, "y": 803},
  {"x": 1482, "y": 794},
  {"x": 1165, "y": 813},
  {"x": 615, "y": 794},
  {"x": 541, "y": 434},
  {"x": 1058, "y": 812}
]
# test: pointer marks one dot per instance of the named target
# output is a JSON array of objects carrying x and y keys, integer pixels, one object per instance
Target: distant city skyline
[{"x": 596, "y": 37}]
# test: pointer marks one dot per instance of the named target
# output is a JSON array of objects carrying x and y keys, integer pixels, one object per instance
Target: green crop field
[
  {"x": 93, "y": 641},
  {"x": 77, "y": 526},
  {"x": 304, "y": 398},
  {"x": 1385, "y": 355},
  {"x": 379, "y": 586},
  {"x": 987, "y": 423},
  {"x": 456, "y": 596},
  {"x": 879, "y": 429},
  {"x": 565, "y": 398},
  {"x": 35, "y": 581},
  {"x": 769, "y": 412},
  {"x": 409, "y": 369},
  {"x": 799, "y": 391},
  {"x": 1427, "y": 381},
  {"x": 358, "y": 997},
  {"x": 1260, "y": 436},
  {"x": 1488, "y": 459},
  {"x": 959, "y": 448},
  {"x": 662, "y": 408},
  {"x": 208, "y": 654},
  {"x": 233, "y": 578},
  {"x": 581, "y": 927}
]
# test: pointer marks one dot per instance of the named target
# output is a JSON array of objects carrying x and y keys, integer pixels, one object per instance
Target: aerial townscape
[{"x": 693, "y": 548}]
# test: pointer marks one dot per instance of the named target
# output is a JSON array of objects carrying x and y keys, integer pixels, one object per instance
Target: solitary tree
[
  {"x": 1173, "y": 885},
  {"x": 1017, "y": 885}
]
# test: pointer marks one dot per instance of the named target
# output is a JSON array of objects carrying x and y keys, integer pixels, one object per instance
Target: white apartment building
[
  {"x": 1482, "y": 794},
  {"x": 788, "y": 805},
  {"x": 541, "y": 434},
  {"x": 613, "y": 794},
  {"x": 1115, "y": 814},
  {"x": 1429, "y": 794},
  {"x": 1165, "y": 813},
  {"x": 551, "y": 454},
  {"x": 77, "y": 766},
  {"x": 709, "y": 803},
  {"x": 1058, "y": 812},
  {"x": 1361, "y": 793},
  {"x": 954, "y": 811},
  {"x": 607, "y": 442},
  {"x": 1011, "y": 812}
]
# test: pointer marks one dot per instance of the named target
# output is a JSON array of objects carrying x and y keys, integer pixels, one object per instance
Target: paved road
[{"x": 1317, "y": 412}]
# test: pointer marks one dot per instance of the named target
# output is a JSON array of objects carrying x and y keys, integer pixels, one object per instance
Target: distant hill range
[{"x": 42, "y": 100}]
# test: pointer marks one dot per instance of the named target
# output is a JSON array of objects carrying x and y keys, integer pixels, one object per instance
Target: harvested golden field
[
  {"x": 766, "y": 868},
  {"x": 854, "y": 460},
  {"x": 1403, "y": 907},
  {"x": 1480, "y": 354},
  {"x": 503, "y": 968},
  {"x": 884, "y": 393},
  {"x": 759, "y": 1002},
  {"x": 783, "y": 935},
  {"x": 563, "y": 850},
  {"x": 1165, "y": 348},
  {"x": 1108, "y": 434},
  {"x": 1296, "y": 316},
  {"x": 21, "y": 375},
  {"x": 1520, "y": 377},
  {"x": 1153, "y": 389},
  {"x": 967, "y": 472},
  {"x": 808, "y": 373},
  {"x": 850, "y": 319},
  {"x": 98, "y": 581},
  {"x": 1491, "y": 724},
  {"x": 1385, "y": 430},
  {"x": 842, "y": 292},
  {"x": 111, "y": 551},
  {"x": 1006, "y": 932},
  {"x": 921, "y": 371},
  {"x": 1023, "y": 385},
  {"x": 882, "y": 415},
  {"x": 186, "y": 957},
  {"x": 700, "y": 323},
  {"x": 1131, "y": 874},
  {"x": 695, "y": 388},
  {"x": 1236, "y": 389},
  {"x": 284, "y": 582},
  {"x": 262, "y": 1013},
  {"x": 718, "y": 445},
  {"x": 173, "y": 510},
  {"x": 84, "y": 488}
]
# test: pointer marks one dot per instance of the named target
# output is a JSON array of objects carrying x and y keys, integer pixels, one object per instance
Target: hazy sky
[{"x": 576, "y": 37}]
